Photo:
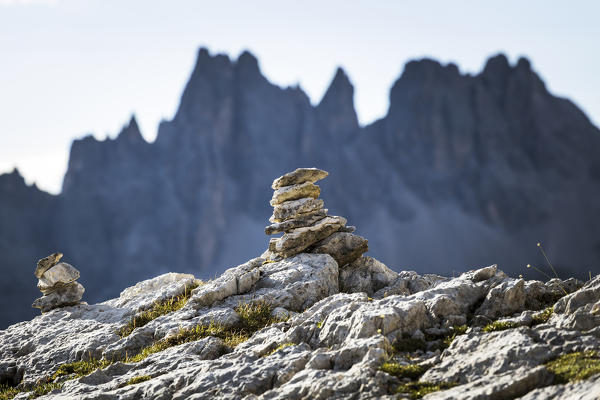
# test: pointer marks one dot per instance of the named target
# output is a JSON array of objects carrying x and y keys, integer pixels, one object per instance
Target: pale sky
[{"x": 74, "y": 67}]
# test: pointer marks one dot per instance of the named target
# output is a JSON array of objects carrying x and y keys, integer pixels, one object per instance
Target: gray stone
[
  {"x": 300, "y": 222},
  {"x": 299, "y": 239},
  {"x": 46, "y": 263},
  {"x": 66, "y": 295},
  {"x": 344, "y": 247},
  {"x": 295, "y": 209},
  {"x": 478, "y": 354},
  {"x": 298, "y": 176},
  {"x": 588, "y": 389},
  {"x": 57, "y": 276},
  {"x": 295, "y": 192},
  {"x": 366, "y": 274},
  {"x": 508, "y": 385}
]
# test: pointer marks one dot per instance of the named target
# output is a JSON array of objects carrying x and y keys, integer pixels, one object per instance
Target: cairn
[
  {"x": 306, "y": 227},
  {"x": 57, "y": 282}
]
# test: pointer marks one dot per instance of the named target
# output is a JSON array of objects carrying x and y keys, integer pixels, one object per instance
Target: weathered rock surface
[
  {"x": 295, "y": 208},
  {"x": 295, "y": 192},
  {"x": 299, "y": 239},
  {"x": 344, "y": 247},
  {"x": 62, "y": 295},
  {"x": 46, "y": 263},
  {"x": 299, "y": 222},
  {"x": 332, "y": 345},
  {"x": 298, "y": 176},
  {"x": 60, "y": 274},
  {"x": 368, "y": 275}
]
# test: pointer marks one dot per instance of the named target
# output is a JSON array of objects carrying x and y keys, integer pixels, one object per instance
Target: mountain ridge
[{"x": 463, "y": 170}]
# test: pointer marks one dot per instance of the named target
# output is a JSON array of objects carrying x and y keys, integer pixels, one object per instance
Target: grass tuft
[
  {"x": 574, "y": 366},
  {"x": 158, "y": 309},
  {"x": 44, "y": 388},
  {"x": 253, "y": 317},
  {"x": 8, "y": 392},
  {"x": 542, "y": 317},
  {"x": 456, "y": 331},
  {"x": 416, "y": 390},
  {"x": 500, "y": 326},
  {"x": 80, "y": 368},
  {"x": 138, "y": 379},
  {"x": 411, "y": 371},
  {"x": 280, "y": 347}
]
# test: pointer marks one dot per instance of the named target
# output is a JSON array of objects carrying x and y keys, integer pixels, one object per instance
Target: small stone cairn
[
  {"x": 57, "y": 282},
  {"x": 306, "y": 227}
]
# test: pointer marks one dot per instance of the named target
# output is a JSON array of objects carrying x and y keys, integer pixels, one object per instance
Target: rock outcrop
[
  {"x": 302, "y": 326},
  {"x": 58, "y": 283}
]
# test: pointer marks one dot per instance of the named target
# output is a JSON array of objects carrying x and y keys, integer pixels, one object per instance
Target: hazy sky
[{"x": 73, "y": 67}]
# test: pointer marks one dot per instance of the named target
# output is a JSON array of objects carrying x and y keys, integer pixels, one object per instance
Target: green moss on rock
[{"x": 574, "y": 366}]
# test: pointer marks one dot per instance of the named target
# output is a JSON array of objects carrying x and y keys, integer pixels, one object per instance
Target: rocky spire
[
  {"x": 131, "y": 132},
  {"x": 336, "y": 110}
]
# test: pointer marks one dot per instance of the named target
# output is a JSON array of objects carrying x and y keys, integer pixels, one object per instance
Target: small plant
[
  {"x": 410, "y": 371},
  {"x": 44, "y": 388},
  {"x": 158, "y": 309},
  {"x": 138, "y": 379},
  {"x": 500, "y": 326},
  {"x": 456, "y": 331},
  {"x": 8, "y": 392},
  {"x": 280, "y": 347},
  {"x": 80, "y": 368},
  {"x": 542, "y": 317},
  {"x": 416, "y": 390},
  {"x": 574, "y": 366},
  {"x": 539, "y": 245},
  {"x": 253, "y": 317}
]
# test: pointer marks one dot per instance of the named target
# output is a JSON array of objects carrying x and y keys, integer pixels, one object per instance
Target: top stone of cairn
[
  {"x": 46, "y": 263},
  {"x": 299, "y": 176}
]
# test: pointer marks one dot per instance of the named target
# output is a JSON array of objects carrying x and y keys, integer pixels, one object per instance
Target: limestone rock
[
  {"x": 295, "y": 208},
  {"x": 299, "y": 239},
  {"x": 299, "y": 222},
  {"x": 331, "y": 345},
  {"x": 46, "y": 263},
  {"x": 299, "y": 176},
  {"x": 65, "y": 295},
  {"x": 366, "y": 274},
  {"x": 344, "y": 247},
  {"x": 57, "y": 276},
  {"x": 295, "y": 192},
  {"x": 581, "y": 390}
]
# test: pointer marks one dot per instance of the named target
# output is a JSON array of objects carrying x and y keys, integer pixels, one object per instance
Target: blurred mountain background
[{"x": 463, "y": 171}]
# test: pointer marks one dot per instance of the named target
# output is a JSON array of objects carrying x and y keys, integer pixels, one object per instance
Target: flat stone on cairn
[
  {"x": 306, "y": 227},
  {"x": 57, "y": 282}
]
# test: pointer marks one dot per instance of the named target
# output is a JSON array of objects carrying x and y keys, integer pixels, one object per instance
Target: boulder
[{"x": 344, "y": 247}]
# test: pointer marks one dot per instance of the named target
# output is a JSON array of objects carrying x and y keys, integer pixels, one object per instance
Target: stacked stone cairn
[
  {"x": 306, "y": 227},
  {"x": 57, "y": 282}
]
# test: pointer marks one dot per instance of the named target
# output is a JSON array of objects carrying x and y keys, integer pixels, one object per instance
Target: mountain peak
[
  {"x": 131, "y": 132},
  {"x": 337, "y": 105}
]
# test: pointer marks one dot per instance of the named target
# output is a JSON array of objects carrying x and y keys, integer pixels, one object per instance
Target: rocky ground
[{"x": 303, "y": 328}]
